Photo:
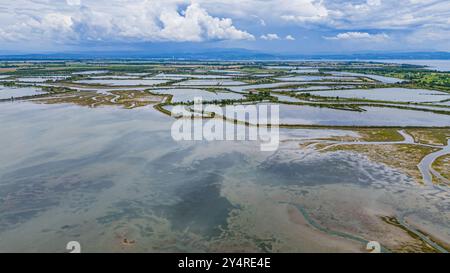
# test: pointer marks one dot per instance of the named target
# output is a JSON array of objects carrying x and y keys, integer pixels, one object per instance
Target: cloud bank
[
  {"x": 145, "y": 20},
  {"x": 416, "y": 23},
  {"x": 359, "y": 36}
]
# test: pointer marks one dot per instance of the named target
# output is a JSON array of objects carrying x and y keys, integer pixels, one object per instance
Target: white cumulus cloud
[
  {"x": 273, "y": 10},
  {"x": 425, "y": 23},
  {"x": 289, "y": 38},
  {"x": 270, "y": 37},
  {"x": 119, "y": 20},
  {"x": 353, "y": 35},
  {"x": 73, "y": 2}
]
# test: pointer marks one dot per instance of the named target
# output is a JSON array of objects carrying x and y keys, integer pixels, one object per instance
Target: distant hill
[
  {"x": 386, "y": 56},
  {"x": 227, "y": 54}
]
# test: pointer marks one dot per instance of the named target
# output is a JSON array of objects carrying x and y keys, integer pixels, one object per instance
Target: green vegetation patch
[
  {"x": 380, "y": 134},
  {"x": 435, "y": 136},
  {"x": 442, "y": 165},
  {"x": 416, "y": 78}
]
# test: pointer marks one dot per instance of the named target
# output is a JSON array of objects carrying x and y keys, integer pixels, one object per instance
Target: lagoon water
[
  {"x": 115, "y": 180},
  {"x": 246, "y": 88},
  {"x": 446, "y": 103},
  {"x": 304, "y": 71},
  {"x": 91, "y": 72},
  {"x": 185, "y": 76},
  {"x": 115, "y": 77},
  {"x": 183, "y": 95},
  {"x": 115, "y": 82},
  {"x": 440, "y": 65},
  {"x": 315, "y": 87},
  {"x": 372, "y": 116},
  {"x": 16, "y": 92},
  {"x": 210, "y": 83},
  {"x": 41, "y": 79},
  {"x": 318, "y": 78},
  {"x": 228, "y": 72},
  {"x": 382, "y": 79},
  {"x": 387, "y": 94}
]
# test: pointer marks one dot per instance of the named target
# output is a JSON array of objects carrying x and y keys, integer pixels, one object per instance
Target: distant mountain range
[{"x": 227, "y": 54}]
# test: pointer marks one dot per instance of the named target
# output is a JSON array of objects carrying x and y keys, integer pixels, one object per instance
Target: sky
[{"x": 273, "y": 26}]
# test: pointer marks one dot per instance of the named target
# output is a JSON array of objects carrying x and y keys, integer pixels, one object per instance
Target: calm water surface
[{"x": 99, "y": 176}]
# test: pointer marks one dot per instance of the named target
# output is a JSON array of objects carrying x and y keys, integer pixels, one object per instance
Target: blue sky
[{"x": 280, "y": 26}]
